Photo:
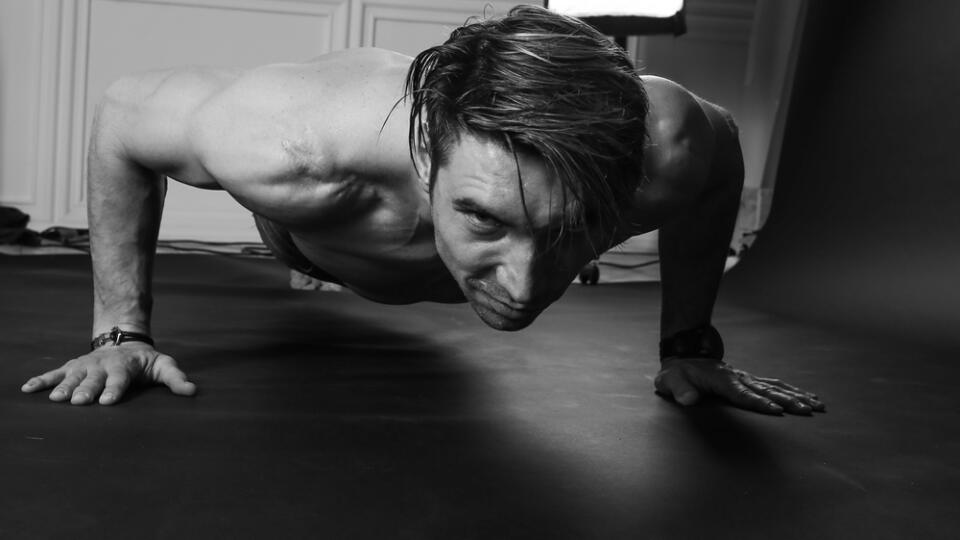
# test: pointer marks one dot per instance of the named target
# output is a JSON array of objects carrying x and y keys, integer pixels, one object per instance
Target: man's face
[{"x": 508, "y": 270}]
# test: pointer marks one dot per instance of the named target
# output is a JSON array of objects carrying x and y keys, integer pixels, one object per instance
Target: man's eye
[{"x": 483, "y": 221}]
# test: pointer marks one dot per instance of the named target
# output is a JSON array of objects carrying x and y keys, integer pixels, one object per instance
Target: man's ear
[{"x": 422, "y": 161}]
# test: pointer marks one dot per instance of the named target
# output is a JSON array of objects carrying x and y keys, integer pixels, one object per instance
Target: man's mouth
[
  {"x": 500, "y": 313},
  {"x": 505, "y": 309}
]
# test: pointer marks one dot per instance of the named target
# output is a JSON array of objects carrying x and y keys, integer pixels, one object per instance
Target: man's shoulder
[
  {"x": 361, "y": 59},
  {"x": 676, "y": 113},
  {"x": 357, "y": 70},
  {"x": 679, "y": 150},
  {"x": 310, "y": 115},
  {"x": 309, "y": 140}
]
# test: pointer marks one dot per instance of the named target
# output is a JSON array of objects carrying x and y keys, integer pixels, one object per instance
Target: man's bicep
[
  {"x": 672, "y": 188},
  {"x": 677, "y": 173}
]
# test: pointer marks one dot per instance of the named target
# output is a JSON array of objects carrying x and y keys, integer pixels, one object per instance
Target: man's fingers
[
  {"x": 89, "y": 388},
  {"x": 791, "y": 404},
  {"x": 743, "y": 397},
  {"x": 182, "y": 387},
  {"x": 789, "y": 401},
  {"x": 169, "y": 374},
  {"x": 673, "y": 383},
  {"x": 794, "y": 401},
  {"x": 683, "y": 378},
  {"x": 785, "y": 386},
  {"x": 117, "y": 383},
  {"x": 776, "y": 382},
  {"x": 805, "y": 398},
  {"x": 42, "y": 382},
  {"x": 64, "y": 390},
  {"x": 106, "y": 374}
]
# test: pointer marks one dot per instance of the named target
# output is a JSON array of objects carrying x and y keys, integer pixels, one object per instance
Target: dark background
[{"x": 864, "y": 225}]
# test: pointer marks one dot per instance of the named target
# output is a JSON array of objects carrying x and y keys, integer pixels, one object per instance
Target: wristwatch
[
  {"x": 118, "y": 336},
  {"x": 700, "y": 342}
]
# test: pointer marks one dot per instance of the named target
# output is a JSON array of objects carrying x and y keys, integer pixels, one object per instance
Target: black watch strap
[
  {"x": 701, "y": 342},
  {"x": 118, "y": 336}
]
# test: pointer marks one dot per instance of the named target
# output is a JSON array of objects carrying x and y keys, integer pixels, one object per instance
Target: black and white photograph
[{"x": 479, "y": 269}]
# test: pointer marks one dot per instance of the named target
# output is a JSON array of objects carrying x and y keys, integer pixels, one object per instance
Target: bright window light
[{"x": 636, "y": 8}]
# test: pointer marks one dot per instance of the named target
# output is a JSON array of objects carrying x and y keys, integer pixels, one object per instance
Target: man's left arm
[{"x": 693, "y": 252}]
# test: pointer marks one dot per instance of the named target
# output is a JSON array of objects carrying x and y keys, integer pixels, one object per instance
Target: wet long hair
[{"x": 542, "y": 83}]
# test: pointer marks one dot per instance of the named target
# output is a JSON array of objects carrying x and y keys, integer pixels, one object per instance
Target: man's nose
[{"x": 520, "y": 274}]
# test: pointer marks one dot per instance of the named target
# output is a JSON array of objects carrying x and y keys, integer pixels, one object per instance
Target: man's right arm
[{"x": 140, "y": 135}]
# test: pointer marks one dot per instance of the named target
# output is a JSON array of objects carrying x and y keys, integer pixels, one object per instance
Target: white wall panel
[
  {"x": 771, "y": 63},
  {"x": 18, "y": 86},
  {"x": 27, "y": 72},
  {"x": 76, "y": 48},
  {"x": 410, "y": 26}
]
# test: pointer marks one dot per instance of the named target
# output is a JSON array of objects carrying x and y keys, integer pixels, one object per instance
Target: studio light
[{"x": 626, "y": 17}]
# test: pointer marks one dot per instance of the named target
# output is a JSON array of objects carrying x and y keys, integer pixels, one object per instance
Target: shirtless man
[{"x": 487, "y": 170}]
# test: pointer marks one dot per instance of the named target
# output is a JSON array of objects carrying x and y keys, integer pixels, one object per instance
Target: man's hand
[
  {"x": 686, "y": 379},
  {"x": 107, "y": 372}
]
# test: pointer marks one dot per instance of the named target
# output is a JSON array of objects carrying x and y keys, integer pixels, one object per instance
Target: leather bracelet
[
  {"x": 701, "y": 342},
  {"x": 118, "y": 336}
]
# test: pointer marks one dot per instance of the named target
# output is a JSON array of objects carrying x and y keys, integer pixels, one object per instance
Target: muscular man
[{"x": 487, "y": 170}]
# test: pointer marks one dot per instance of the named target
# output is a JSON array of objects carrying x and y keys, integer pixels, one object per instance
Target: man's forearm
[
  {"x": 124, "y": 203},
  {"x": 693, "y": 253}
]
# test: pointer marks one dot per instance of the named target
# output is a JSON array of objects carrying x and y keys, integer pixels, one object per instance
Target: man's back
[{"x": 282, "y": 125}]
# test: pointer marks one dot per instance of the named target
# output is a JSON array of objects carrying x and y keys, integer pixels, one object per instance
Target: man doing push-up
[{"x": 488, "y": 169}]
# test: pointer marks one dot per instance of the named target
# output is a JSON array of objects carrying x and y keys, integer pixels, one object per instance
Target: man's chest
[{"x": 372, "y": 263}]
